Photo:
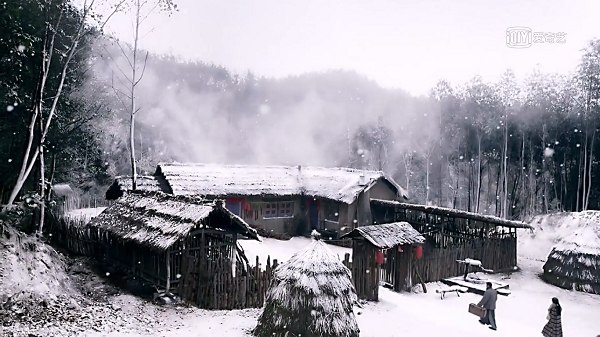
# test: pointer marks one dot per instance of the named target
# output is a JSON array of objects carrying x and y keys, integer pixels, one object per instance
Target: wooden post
[
  {"x": 168, "y": 259},
  {"x": 234, "y": 255}
]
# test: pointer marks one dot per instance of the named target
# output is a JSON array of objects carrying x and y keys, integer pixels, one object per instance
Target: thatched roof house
[
  {"x": 574, "y": 263},
  {"x": 311, "y": 295},
  {"x": 161, "y": 237},
  {"x": 277, "y": 199}
]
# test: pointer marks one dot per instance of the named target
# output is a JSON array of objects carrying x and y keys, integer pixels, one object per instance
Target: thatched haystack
[
  {"x": 311, "y": 295},
  {"x": 574, "y": 262}
]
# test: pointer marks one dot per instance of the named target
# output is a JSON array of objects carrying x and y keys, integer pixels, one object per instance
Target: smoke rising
[{"x": 193, "y": 112}]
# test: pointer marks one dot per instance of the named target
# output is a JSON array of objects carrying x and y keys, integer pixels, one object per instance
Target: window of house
[
  {"x": 286, "y": 209},
  {"x": 331, "y": 211},
  {"x": 283, "y": 209},
  {"x": 270, "y": 210}
]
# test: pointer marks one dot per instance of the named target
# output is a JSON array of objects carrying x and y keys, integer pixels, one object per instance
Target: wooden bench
[{"x": 456, "y": 289}]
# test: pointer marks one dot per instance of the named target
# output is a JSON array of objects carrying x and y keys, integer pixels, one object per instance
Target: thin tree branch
[
  {"x": 143, "y": 70},
  {"x": 124, "y": 53},
  {"x": 116, "y": 65}
]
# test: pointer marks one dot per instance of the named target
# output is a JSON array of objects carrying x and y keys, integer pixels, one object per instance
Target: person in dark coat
[
  {"x": 488, "y": 301},
  {"x": 554, "y": 326}
]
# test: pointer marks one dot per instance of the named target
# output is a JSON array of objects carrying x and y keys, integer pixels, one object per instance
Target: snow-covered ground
[
  {"x": 522, "y": 313},
  {"x": 280, "y": 249}
]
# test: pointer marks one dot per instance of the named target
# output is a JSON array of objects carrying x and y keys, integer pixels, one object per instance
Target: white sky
[{"x": 406, "y": 44}]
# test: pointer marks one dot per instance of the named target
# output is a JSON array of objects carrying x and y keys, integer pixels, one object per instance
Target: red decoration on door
[
  {"x": 419, "y": 252},
  {"x": 379, "y": 257}
]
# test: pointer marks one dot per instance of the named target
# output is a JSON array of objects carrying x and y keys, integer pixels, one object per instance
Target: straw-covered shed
[
  {"x": 398, "y": 240},
  {"x": 574, "y": 263},
  {"x": 311, "y": 295},
  {"x": 155, "y": 236}
]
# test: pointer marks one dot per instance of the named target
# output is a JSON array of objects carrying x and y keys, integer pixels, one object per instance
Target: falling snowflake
[
  {"x": 548, "y": 152},
  {"x": 264, "y": 109},
  {"x": 21, "y": 48},
  {"x": 10, "y": 108}
]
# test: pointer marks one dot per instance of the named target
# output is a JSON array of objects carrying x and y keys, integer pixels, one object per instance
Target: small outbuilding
[
  {"x": 310, "y": 295},
  {"x": 178, "y": 243},
  {"x": 398, "y": 240}
]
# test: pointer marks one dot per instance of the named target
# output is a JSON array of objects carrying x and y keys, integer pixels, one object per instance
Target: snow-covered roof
[
  {"x": 442, "y": 211},
  {"x": 388, "y": 235},
  {"x": 340, "y": 184},
  {"x": 143, "y": 183},
  {"x": 158, "y": 220}
]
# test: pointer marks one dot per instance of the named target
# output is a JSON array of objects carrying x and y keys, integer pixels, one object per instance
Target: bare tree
[
  {"x": 142, "y": 9},
  {"x": 54, "y": 25}
]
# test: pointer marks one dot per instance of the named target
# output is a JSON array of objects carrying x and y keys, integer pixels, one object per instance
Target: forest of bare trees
[{"x": 510, "y": 148}]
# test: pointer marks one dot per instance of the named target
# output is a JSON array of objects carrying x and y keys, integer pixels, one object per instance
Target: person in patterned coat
[{"x": 554, "y": 326}]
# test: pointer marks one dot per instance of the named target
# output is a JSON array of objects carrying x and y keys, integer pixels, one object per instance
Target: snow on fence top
[
  {"x": 158, "y": 220},
  {"x": 62, "y": 190},
  {"x": 442, "y": 211},
  {"x": 340, "y": 184},
  {"x": 388, "y": 235},
  {"x": 311, "y": 294}
]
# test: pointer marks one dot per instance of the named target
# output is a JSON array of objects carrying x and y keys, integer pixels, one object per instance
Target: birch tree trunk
[
  {"x": 42, "y": 182},
  {"x": 589, "y": 174},
  {"x": 29, "y": 159},
  {"x": 479, "y": 174}
]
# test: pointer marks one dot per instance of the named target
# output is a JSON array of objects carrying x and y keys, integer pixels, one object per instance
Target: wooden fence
[
  {"x": 73, "y": 202},
  {"x": 214, "y": 286},
  {"x": 208, "y": 284},
  {"x": 439, "y": 263}
]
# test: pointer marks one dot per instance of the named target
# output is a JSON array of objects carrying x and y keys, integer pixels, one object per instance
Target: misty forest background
[{"x": 507, "y": 148}]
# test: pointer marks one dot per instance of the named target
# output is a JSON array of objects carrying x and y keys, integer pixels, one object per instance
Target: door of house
[
  {"x": 313, "y": 215},
  {"x": 234, "y": 207}
]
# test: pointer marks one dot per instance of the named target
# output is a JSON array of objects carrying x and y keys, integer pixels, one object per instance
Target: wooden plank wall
[
  {"x": 365, "y": 272},
  {"x": 397, "y": 267},
  {"x": 440, "y": 263}
]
